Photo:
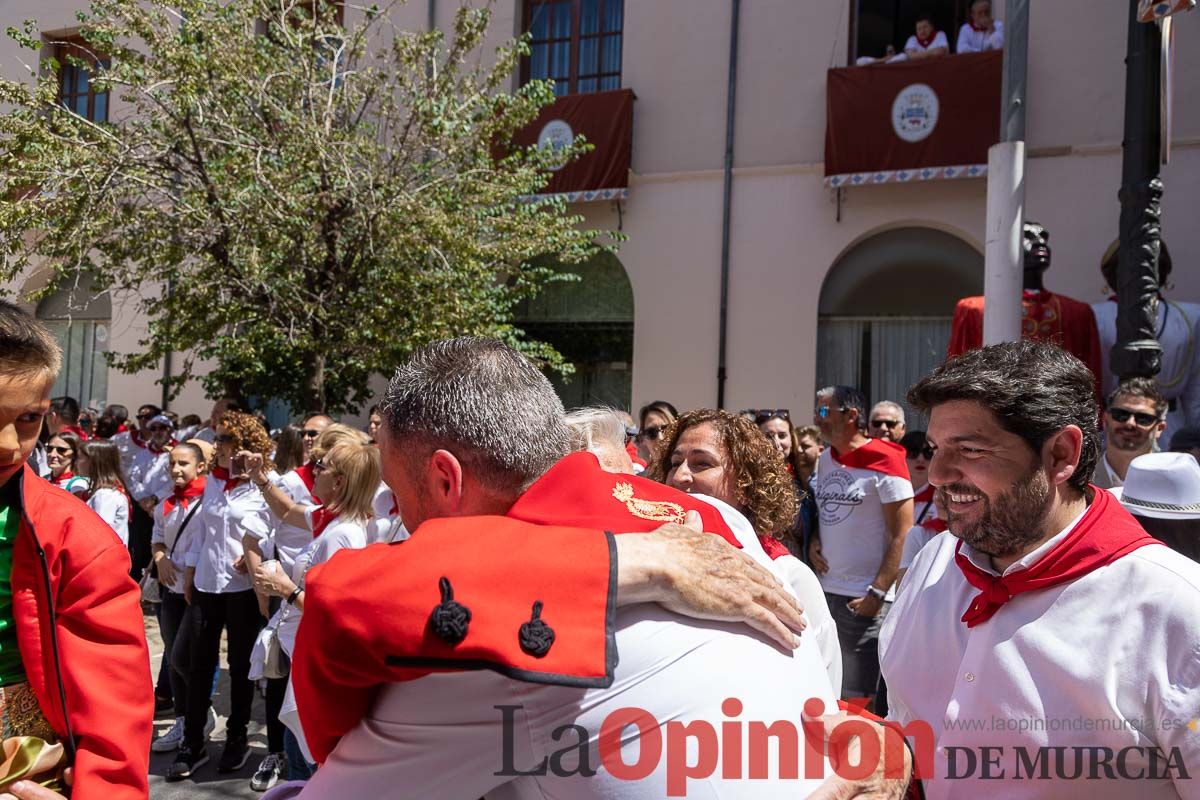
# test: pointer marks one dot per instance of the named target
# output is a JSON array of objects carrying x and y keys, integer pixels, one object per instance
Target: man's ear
[
  {"x": 1061, "y": 452},
  {"x": 444, "y": 481}
]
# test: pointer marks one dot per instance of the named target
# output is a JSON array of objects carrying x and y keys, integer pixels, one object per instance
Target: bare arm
[{"x": 897, "y": 518}]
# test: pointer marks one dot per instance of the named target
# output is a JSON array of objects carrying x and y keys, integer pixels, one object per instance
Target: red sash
[
  {"x": 183, "y": 495},
  {"x": 63, "y": 479},
  {"x": 879, "y": 455},
  {"x": 320, "y": 520},
  {"x": 305, "y": 473},
  {"x": 1104, "y": 534}
]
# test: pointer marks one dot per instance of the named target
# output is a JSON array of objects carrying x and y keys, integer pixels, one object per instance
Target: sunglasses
[
  {"x": 147, "y": 415},
  {"x": 652, "y": 432},
  {"x": 763, "y": 414},
  {"x": 925, "y": 453},
  {"x": 62, "y": 451},
  {"x": 1143, "y": 420},
  {"x": 159, "y": 429},
  {"x": 224, "y": 438},
  {"x": 309, "y": 433},
  {"x": 823, "y": 411},
  {"x": 319, "y": 466},
  {"x": 885, "y": 423}
]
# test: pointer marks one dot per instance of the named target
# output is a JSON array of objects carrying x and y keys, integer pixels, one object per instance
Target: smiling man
[{"x": 1045, "y": 636}]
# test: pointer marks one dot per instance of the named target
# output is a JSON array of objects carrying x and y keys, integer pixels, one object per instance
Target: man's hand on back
[{"x": 700, "y": 575}]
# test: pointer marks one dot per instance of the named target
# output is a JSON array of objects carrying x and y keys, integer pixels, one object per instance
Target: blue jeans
[{"x": 298, "y": 768}]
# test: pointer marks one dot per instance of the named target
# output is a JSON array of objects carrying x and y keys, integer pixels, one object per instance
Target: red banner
[
  {"x": 913, "y": 120},
  {"x": 605, "y": 119}
]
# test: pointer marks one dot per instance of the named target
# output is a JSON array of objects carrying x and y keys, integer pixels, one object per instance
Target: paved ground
[{"x": 206, "y": 783}]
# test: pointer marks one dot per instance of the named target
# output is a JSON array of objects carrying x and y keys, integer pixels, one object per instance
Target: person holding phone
[{"x": 220, "y": 593}]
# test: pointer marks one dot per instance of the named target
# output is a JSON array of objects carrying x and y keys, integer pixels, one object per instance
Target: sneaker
[
  {"x": 171, "y": 739},
  {"x": 235, "y": 755},
  {"x": 186, "y": 762},
  {"x": 211, "y": 724},
  {"x": 268, "y": 772}
]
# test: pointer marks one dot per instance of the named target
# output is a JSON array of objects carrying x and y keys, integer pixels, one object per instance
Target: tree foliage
[{"x": 298, "y": 201}]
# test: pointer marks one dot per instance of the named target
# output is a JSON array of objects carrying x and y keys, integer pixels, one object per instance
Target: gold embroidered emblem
[{"x": 656, "y": 510}]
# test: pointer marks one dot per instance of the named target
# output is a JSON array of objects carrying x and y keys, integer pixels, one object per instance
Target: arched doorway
[
  {"x": 589, "y": 321},
  {"x": 886, "y": 307},
  {"x": 80, "y": 317}
]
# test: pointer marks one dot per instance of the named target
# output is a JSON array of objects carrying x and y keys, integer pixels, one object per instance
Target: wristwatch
[
  {"x": 877, "y": 593},
  {"x": 291, "y": 599}
]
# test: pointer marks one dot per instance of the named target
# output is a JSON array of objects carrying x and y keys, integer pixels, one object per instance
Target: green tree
[{"x": 299, "y": 201}]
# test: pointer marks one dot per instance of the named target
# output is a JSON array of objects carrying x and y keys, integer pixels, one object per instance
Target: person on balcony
[
  {"x": 928, "y": 41},
  {"x": 980, "y": 33}
]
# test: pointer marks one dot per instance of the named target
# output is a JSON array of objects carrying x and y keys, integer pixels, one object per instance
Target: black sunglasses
[
  {"x": 62, "y": 451},
  {"x": 1142, "y": 419},
  {"x": 925, "y": 452},
  {"x": 223, "y": 438},
  {"x": 309, "y": 433},
  {"x": 651, "y": 432},
  {"x": 761, "y": 415},
  {"x": 884, "y": 423}
]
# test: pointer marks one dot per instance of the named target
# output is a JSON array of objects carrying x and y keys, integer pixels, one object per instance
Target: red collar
[
  {"x": 183, "y": 495},
  {"x": 222, "y": 474},
  {"x": 153, "y": 448},
  {"x": 320, "y": 520},
  {"x": 926, "y": 42},
  {"x": 305, "y": 473},
  {"x": 135, "y": 436},
  {"x": 925, "y": 495},
  {"x": 122, "y": 428},
  {"x": 879, "y": 455},
  {"x": 64, "y": 479},
  {"x": 575, "y": 492},
  {"x": 976, "y": 28},
  {"x": 1104, "y": 534},
  {"x": 631, "y": 448},
  {"x": 935, "y": 524}
]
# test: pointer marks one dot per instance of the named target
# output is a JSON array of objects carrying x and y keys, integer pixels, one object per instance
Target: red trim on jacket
[{"x": 79, "y": 627}]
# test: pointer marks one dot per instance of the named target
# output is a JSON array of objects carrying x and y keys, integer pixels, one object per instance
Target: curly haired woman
[
  {"x": 221, "y": 594},
  {"x": 726, "y": 457}
]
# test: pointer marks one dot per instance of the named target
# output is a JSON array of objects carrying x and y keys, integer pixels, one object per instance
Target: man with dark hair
[
  {"x": 1134, "y": 419},
  {"x": 927, "y": 41},
  {"x": 1045, "y": 605},
  {"x": 73, "y": 657},
  {"x": 471, "y": 428},
  {"x": 64, "y": 417},
  {"x": 865, "y": 499}
]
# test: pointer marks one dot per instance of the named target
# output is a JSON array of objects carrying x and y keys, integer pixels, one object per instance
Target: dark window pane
[
  {"x": 562, "y": 21},
  {"x": 100, "y": 108},
  {"x": 610, "y": 82},
  {"x": 539, "y": 62},
  {"x": 561, "y": 88},
  {"x": 612, "y": 54},
  {"x": 80, "y": 105},
  {"x": 614, "y": 15},
  {"x": 82, "y": 79},
  {"x": 587, "y": 85},
  {"x": 561, "y": 61},
  {"x": 589, "y": 56},
  {"x": 539, "y": 26},
  {"x": 589, "y": 17}
]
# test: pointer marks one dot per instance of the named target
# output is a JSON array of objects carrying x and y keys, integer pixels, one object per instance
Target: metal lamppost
[{"x": 1137, "y": 352}]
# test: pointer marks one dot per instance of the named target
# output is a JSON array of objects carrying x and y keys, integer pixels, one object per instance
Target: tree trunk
[{"x": 314, "y": 383}]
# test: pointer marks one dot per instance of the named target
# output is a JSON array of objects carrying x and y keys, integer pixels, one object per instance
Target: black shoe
[
  {"x": 235, "y": 755},
  {"x": 162, "y": 704},
  {"x": 186, "y": 762}
]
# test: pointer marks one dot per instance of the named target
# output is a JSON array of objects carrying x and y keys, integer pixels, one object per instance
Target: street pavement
[{"x": 206, "y": 784}]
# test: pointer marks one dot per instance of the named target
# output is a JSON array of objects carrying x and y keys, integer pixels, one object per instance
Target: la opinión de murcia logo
[{"x": 915, "y": 112}]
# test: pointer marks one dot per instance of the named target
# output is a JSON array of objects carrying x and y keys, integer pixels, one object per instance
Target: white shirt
[
  {"x": 284, "y": 542},
  {"x": 217, "y": 541},
  {"x": 1115, "y": 649},
  {"x": 854, "y": 533},
  {"x": 125, "y": 447},
  {"x": 380, "y": 528},
  {"x": 113, "y": 507},
  {"x": 167, "y": 532},
  {"x": 917, "y": 537},
  {"x": 148, "y": 474},
  {"x": 973, "y": 41},
  {"x": 939, "y": 40},
  {"x": 1179, "y": 379}
]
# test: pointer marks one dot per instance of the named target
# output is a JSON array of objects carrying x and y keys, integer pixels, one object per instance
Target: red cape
[{"x": 879, "y": 455}]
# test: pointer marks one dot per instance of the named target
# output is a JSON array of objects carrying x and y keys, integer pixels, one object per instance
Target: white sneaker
[
  {"x": 212, "y": 722},
  {"x": 171, "y": 739}
]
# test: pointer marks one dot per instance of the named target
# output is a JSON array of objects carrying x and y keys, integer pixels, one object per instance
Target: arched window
[
  {"x": 79, "y": 318},
  {"x": 886, "y": 307}
]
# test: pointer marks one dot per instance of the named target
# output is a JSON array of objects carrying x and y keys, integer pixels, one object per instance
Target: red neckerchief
[
  {"x": 182, "y": 495},
  {"x": 925, "y": 495},
  {"x": 575, "y": 492},
  {"x": 64, "y": 479},
  {"x": 978, "y": 29},
  {"x": 631, "y": 448},
  {"x": 75, "y": 429},
  {"x": 926, "y": 42},
  {"x": 158, "y": 451},
  {"x": 135, "y": 436},
  {"x": 879, "y": 455},
  {"x": 122, "y": 428},
  {"x": 935, "y": 524},
  {"x": 1104, "y": 534},
  {"x": 320, "y": 520},
  {"x": 222, "y": 474},
  {"x": 305, "y": 473},
  {"x": 773, "y": 547}
]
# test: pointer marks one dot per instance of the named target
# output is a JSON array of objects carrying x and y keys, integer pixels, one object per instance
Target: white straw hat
[{"x": 1162, "y": 486}]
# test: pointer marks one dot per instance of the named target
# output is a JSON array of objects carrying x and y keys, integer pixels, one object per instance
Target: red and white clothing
[
  {"x": 148, "y": 474},
  {"x": 75, "y": 484},
  {"x": 230, "y": 510},
  {"x": 937, "y": 40},
  {"x": 851, "y": 490},
  {"x": 386, "y": 526},
  {"x": 971, "y": 40},
  {"x": 112, "y": 506},
  {"x": 169, "y": 516},
  {"x": 1113, "y": 650},
  {"x": 1179, "y": 333},
  {"x": 285, "y": 542}
]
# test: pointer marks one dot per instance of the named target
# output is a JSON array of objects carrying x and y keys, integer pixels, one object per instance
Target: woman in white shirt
[
  {"x": 63, "y": 458},
  {"x": 221, "y": 594},
  {"x": 108, "y": 496},
  {"x": 346, "y": 478}
]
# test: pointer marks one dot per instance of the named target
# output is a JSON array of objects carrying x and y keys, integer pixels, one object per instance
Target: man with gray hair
[
  {"x": 601, "y": 432},
  {"x": 526, "y": 655},
  {"x": 886, "y": 421}
]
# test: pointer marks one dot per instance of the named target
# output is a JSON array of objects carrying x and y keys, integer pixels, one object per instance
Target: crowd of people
[{"x": 852, "y": 545}]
